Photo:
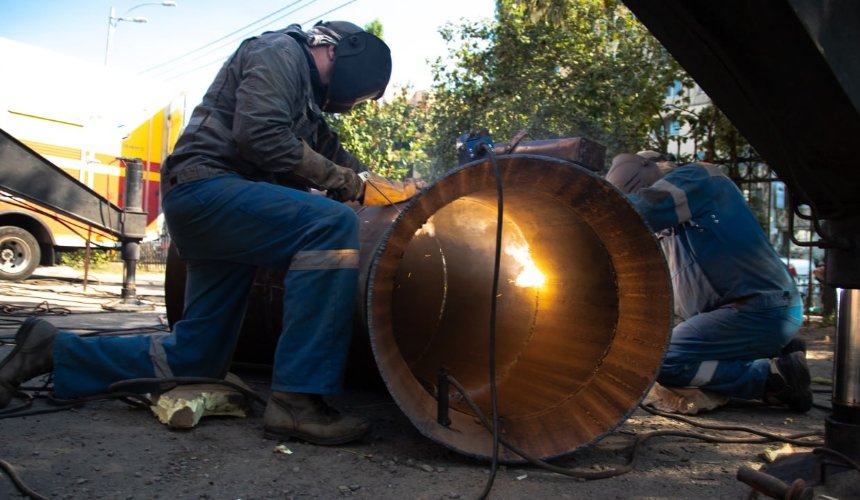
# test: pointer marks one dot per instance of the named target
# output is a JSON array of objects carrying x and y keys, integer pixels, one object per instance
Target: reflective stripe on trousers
[
  {"x": 727, "y": 350},
  {"x": 226, "y": 227}
]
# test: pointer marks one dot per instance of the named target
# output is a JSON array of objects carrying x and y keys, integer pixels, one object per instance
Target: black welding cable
[
  {"x": 23, "y": 488},
  {"x": 44, "y": 308},
  {"x": 500, "y": 211},
  {"x": 129, "y": 397},
  {"x": 56, "y": 405},
  {"x": 739, "y": 428},
  {"x": 176, "y": 381},
  {"x": 28, "y": 402},
  {"x": 837, "y": 454},
  {"x": 633, "y": 452}
]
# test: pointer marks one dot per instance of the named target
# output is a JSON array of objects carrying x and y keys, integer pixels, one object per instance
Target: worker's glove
[
  {"x": 348, "y": 188},
  {"x": 379, "y": 190},
  {"x": 340, "y": 183}
]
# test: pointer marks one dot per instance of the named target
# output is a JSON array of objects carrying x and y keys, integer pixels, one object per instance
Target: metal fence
[{"x": 153, "y": 253}]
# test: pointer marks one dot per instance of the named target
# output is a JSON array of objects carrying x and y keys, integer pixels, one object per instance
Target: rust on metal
[{"x": 583, "y": 309}]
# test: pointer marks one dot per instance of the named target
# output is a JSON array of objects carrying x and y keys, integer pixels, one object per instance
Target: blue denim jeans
[
  {"x": 727, "y": 350},
  {"x": 226, "y": 227}
]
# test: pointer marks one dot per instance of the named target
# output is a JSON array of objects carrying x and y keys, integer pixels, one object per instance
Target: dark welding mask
[{"x": 362, "y": 64}]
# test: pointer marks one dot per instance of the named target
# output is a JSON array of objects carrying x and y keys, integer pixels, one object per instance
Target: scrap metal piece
[
  {"x": 184, "y": 406},
  {"x": 686, "y": 401}
]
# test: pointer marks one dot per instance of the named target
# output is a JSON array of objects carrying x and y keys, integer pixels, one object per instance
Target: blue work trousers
[
  {"x": 727, "y": 350},
  {"x": 225, "y": 227}
]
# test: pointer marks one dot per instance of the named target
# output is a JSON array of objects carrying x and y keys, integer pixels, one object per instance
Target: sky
[{"x": 183, "y": 46}]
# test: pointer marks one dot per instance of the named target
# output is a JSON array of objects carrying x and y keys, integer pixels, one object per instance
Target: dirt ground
[{"x": 108, "y": 449}]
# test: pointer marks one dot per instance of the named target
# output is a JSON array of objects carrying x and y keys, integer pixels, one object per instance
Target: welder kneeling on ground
[
  {"x": 738, "y": 307},
  {"x": 236, "y": 196}
]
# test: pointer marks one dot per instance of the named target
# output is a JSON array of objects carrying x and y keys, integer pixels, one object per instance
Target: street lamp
[{"x": 114, "y": 20}]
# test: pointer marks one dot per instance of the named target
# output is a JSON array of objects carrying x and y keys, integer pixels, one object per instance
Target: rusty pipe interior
[{"x": 583, "y": 310}]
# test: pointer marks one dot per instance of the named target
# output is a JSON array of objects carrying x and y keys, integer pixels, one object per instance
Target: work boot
[
  {"x": 794, "y": 345},
  {"x": 31, "y": 357},
  {"x": 309, "y": 418},
  {"x": 789, "y": 381}
]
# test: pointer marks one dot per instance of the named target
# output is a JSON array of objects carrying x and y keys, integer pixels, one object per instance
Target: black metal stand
[
  {"x": 133, "y": 231},
  {"x": 835, "y": 467}
]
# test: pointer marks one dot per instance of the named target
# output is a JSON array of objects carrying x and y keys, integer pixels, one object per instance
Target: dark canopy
[{"x": 784, "y": 72}]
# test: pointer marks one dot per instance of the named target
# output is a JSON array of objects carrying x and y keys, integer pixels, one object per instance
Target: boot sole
[
  {"x": 800, "y": 381},
  {"x": 280, "y": 436},
  {"x": 20, "y": 336}
]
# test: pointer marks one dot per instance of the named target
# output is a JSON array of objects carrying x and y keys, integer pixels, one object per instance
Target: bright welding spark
[
  {"x": 530, "y": 276},
  {"x": 428, "y": 228}
]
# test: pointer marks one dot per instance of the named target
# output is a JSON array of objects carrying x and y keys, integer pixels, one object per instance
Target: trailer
[{"x": 83, "y": 121}]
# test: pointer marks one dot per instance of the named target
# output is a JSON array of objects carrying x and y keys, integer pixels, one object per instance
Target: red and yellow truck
[{"x": 84, "y": 129}]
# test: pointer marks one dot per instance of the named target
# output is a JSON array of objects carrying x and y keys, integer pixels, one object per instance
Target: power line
[
  {"x": 221, "y": 58},
  {"x": 228, "y": 35},
  {"x": 330, "y": 11}
]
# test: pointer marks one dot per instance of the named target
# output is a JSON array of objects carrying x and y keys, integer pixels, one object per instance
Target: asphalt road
[{"x": 108, "y": 449}]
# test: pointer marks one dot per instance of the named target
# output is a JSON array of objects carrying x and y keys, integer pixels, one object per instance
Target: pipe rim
[{"x": 414, "y": 399}]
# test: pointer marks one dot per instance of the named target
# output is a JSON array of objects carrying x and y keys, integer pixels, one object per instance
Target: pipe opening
[
  {"x": 442, "y": 301},
  {"x": 583, "y": 305}
]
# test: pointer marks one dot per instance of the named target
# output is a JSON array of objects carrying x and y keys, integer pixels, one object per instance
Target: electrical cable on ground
[
  {"x": 135, "y": 399},
  {"x": 114, "y": 392},
  {"x": 44, "y": 308},
  {"x": 177, "y": 381},
  {"x": 632, "y": 453},
  {"x": 23, "y": 488},
  {"x": 739, "y": 428},
  {"x": 837, "y": 454},
  {"x": 492, "y": 334}
]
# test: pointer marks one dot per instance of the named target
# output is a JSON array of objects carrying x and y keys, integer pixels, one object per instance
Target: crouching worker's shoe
[
  {"x": 308, "y": 418},
  {"x": 788, "y": 382},
  {"x": 31, "y": 357},
  {"x": 794, "y": 345}
]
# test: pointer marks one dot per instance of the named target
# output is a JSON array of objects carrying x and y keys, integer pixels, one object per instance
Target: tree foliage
[
  {"x": 388, "y": 136},
  {"x": 555, "y": 68}
]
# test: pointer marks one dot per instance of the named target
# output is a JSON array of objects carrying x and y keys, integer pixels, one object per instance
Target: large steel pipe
[{"x": 583, "y": 305}]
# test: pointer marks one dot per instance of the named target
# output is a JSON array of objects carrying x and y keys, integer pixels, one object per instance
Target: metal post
[
  {"x": 110, "y": 33},
  {"x": 133, "y": 231},
  {"x": 87, "y": 257},
  {"x": 842, "y": 427},
  {"x": 133, "y": 197}
]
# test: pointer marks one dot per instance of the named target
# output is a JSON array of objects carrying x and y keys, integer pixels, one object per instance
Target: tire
[{"x": 19, "y": 253}]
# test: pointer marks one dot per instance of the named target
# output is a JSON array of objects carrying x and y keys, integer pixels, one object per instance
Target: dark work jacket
[{"x": 256, "y": 113}]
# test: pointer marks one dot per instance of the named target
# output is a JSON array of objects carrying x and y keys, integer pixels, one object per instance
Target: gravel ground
[{"x": 111, "y": 450}]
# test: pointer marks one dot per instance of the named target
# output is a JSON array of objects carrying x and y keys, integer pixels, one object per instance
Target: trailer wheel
[{"x": 19, "y": 253}]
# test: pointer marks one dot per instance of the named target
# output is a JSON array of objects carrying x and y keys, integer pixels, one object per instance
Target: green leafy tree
[
  {"x": 555, "y": 68},
  {"x": 386, "y": 135}
]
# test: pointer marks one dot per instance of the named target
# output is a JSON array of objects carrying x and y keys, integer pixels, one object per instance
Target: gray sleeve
[{"x": 270, "y": 97}]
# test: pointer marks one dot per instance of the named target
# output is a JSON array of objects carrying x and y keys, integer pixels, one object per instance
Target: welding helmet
[{"x": 362, "y": 64}]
